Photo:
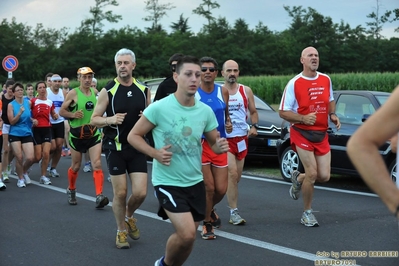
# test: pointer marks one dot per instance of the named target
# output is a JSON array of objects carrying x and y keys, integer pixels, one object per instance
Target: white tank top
[
  {"x": 57, "y": 99},
  {"x": 238, "y": 107}
]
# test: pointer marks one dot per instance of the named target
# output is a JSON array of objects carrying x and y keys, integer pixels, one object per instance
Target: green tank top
[{"x": 86, "y": 104}]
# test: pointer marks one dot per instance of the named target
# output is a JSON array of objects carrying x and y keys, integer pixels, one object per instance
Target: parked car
[
  {"x": 352, "y": 108},
  {"x": 264, "y": 144},
  {"x": 153, "y": 84}
]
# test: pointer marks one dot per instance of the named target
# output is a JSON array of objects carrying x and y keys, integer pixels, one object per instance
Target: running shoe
[
  {"x": 45, "y": 180},
  {"x": 21, "y": 183},
  {"x": 132, "y": 229},
  {"x": 207, "y": 231},
  {"x": 2, "y": 185},
  {"x": 27, "y": 179},
  {"x": 54, "y": 173},
  {"x": 87, "y": 167},
  {"x": 121, "y": 240},
  {"x": 159, "y": 262},
  {"x": 64, "y": 152},
  {"x": 101, "y": 201},
  {"x": 295, "y": 188},
  {"x": 6, "y": 179},
  {"x": 236, "y": 219},
  {"x": 308, "y": 219},
  {"x": 215, "y": 220},
  {"x": 71, "y": 196}
]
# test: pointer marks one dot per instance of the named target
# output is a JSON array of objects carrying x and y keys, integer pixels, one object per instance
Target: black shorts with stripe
[{"x": 182, "y": 199}]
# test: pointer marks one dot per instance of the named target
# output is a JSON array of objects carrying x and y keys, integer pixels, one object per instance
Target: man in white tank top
[{"x": 241, "y": 100}]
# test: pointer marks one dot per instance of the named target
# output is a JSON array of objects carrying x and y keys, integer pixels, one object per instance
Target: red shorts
[
  {"x": 319, "y": 148},
  {"x": 237, "y": 148},
  {"x": 209, "y": 157}
]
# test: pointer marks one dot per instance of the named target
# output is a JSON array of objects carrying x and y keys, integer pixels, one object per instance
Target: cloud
[{"x": 70, "y": 13}]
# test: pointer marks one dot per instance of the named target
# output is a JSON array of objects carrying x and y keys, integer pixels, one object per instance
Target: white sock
[{"x": 232, "y": 210}]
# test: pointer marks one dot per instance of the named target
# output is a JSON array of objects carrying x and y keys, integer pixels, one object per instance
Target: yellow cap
[{"x": 85, "y": 70}]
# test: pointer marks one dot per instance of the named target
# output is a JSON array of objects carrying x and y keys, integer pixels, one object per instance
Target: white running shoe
[
  {"x": 2, "y": 185},
  {"x": 45, "y": 180},
  {"x": 21, "y": 183},
  {"x": 27, "y": 179},
  {"x": 87, "y": 167},
  {"x": 54, "y": 173}
]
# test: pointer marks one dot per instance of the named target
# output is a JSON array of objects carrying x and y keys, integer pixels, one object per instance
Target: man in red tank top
[{"x": 308, "y": 103}]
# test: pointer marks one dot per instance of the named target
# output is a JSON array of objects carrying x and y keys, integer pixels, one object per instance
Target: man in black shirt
[{"x": 168, "y": 86}]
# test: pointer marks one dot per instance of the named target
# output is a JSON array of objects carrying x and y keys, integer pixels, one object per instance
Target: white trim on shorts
[{"x": 6, "y": 128}]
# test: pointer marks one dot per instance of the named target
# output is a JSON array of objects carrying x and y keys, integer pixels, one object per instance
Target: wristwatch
[{"x": 255, "y": 125}]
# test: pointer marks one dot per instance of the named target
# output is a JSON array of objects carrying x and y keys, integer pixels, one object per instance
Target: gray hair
[
  {"x": 94, "y": 80},
  {"x": 125, "y": 51}
]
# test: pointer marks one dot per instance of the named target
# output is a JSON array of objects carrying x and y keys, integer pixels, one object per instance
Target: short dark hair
[
  {"x": 175, "y": 57},
  {"x": 28, "y": 85},
  {"x": 10, "y": 82},
  {"x": 208, "y": 59},
  {"x": 187, "y": 59},
  {"x": 48, "y": 75},
  {"x": 17, "y": 84}
]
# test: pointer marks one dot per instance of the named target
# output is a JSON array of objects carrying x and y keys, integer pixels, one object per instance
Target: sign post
[{"x": 10, "y": 64}]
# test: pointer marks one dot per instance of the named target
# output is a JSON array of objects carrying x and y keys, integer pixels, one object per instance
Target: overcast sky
[{"x": 69, "y": 13}]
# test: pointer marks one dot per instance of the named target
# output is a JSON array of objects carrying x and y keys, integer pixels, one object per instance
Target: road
[{"x": 38, "y": 227}]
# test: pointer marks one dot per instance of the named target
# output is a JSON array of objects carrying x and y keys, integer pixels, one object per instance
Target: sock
[
  {"x": 72, "y": 176},
  {"x": 98, "y": 177},
  {"x": 163, "y": 262},
  {"x": 231, "y": 210}
]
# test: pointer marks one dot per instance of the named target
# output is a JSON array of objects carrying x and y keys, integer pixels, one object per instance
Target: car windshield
[
  {"x": 261, "y": 104},
  {"x": 382, "y": 98}
]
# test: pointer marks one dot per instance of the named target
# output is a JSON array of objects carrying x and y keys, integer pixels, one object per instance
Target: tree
[
  {"x": 377, "y": 21},
  {"x": 395, "y": 12},
  {"x": 201, "y": 11},
  {"x": 157, "y": 12},
  {"x": 94, "y": 24},
  {"x": 181, "y": 25}
]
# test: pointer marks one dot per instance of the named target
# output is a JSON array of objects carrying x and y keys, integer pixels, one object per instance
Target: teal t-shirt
[{"x": 182, "y": 127}]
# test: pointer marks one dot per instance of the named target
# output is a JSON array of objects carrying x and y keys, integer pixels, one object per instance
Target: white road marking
[
  {"x": 264, "y": 179},
  {"x": 230, "y": 236}
]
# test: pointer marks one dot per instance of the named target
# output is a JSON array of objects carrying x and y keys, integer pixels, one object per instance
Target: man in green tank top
[{"x": 83, "y": 137}]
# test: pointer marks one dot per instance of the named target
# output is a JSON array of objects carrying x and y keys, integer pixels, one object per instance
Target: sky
[{"x": 69, "y": 13}]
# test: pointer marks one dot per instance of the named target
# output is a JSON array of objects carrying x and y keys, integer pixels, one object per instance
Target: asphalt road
[{"x": 38, "y": 227}]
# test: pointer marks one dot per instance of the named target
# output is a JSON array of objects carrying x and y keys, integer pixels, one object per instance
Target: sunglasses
[{"x": 211, "y": 69}]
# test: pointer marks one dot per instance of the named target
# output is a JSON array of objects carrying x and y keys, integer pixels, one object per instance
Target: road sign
[{"x": 10, "y": 63}]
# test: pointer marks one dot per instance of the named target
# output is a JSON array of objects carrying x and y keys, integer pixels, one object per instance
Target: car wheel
[
  {"x": 289, "y": 163},
  {"x": 392, "y": 170}
]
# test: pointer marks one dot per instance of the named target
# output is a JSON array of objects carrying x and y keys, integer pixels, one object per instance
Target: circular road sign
[{"x": 10, "y": 63}]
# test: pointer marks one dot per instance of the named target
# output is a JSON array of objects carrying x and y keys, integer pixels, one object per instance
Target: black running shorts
[{"x": 182, "y": 199}]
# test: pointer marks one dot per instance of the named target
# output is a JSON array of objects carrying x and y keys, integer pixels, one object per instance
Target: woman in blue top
[{"x": 20, "y": 136}]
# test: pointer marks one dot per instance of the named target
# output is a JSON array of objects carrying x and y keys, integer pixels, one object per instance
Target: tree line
[{"x": 258, "y": 50}]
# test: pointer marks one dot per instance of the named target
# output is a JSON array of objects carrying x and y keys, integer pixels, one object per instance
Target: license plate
[{"x": 272, "y": 142}]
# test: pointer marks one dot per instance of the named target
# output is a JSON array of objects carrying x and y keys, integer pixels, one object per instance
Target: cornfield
[{"x": 270, "y": 88}]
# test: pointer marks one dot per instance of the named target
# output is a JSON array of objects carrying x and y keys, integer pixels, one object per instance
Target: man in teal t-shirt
[{"x": 177, "y": 123}]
